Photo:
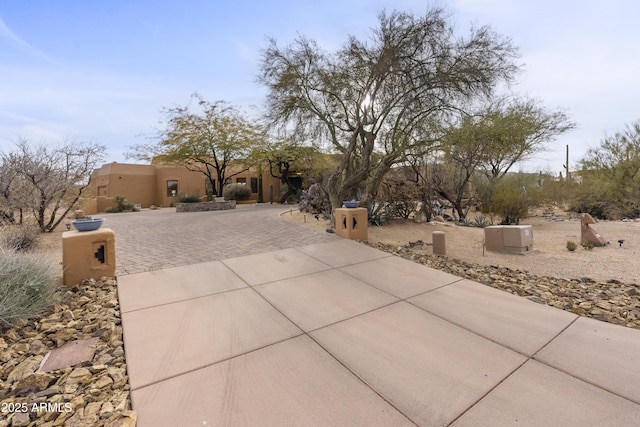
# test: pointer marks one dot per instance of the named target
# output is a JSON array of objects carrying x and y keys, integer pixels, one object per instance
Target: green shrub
[
  {"x": 587, "y": 246},
  {"x": 122, "y": 204},
  {"x": 188, "y": 198},
  {"x": 571, "y": 246},
  {"x": 27, "y": 285},
  {"x": 236, "y": 192},
  {"x": 18, "y": 237},
  {"x": 512, "y": 196}
]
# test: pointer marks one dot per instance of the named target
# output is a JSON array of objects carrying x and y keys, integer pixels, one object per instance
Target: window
[
  {"x": 172, "y": 187},
  {"x": 254, "y": 185},
  {"x": 102, "y": 191},
  {"x": 242, "y": 181}
]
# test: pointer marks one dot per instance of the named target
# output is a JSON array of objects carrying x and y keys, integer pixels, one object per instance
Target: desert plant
[
  {"x": 122, "y": 204},
  {"x": 314, "y": 200},
  {"x": 465, "y": 222},
  {"x": 587, "y": 246},
  {"x": 480, "y": 221},
  {"x": 18, "y": 237},
  {"x": 571, "y": 246},
  {"x": 46, "y": 180},
  {"x": 188, "y": 198},
  {"x": 376, "y": 212},
  {"x": 403, "y": 199},
  {"x": 610, "y": 180},
  {"x": 236, "y": 192},
  {"x": 27, "y": 285},
  {"x": 512, "y": 196}
]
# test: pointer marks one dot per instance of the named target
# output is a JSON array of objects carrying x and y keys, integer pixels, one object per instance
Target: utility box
[
  {"x": 516, "y": 239},
  {"x": 88, "y": 255},
  {"x": 351, "y": 223}
]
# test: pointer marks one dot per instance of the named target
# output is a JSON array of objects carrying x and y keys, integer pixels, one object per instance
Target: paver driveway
[{"x": 152, "y": 240}]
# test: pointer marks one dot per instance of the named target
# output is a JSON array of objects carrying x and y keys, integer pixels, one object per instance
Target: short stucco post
[{"x": 439, "y": 244}]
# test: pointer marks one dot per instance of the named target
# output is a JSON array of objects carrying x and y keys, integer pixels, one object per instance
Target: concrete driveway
[{"x": 241, "y": 318}]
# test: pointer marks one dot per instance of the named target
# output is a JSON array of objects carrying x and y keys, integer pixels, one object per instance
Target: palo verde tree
[
  {"x": 611, "y": 176},
  {"x": 513, "y": 129},
  {"x": 374, "y": 100},
  {"x": 209, "y": 140},
  {"x": 491, "y": 142},
  {"x": 48, "y": 180}
]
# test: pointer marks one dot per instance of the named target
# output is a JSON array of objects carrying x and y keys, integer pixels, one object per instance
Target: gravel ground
[{"x": 92, "y": 393}]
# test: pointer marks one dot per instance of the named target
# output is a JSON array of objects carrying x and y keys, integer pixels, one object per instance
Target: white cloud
[
  {"x": 17, "y": 42},
  {"x": 52, "y": 105}
]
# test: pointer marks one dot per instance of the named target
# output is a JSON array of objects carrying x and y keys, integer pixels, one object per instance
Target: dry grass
[{"x": 28, "y": 285}]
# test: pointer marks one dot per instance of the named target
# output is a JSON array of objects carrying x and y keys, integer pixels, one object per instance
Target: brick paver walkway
[{"x": 152, "y": 240}]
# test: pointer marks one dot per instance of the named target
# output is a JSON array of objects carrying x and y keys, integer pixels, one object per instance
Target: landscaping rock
[
  {"x": 93, "y": 393},
  {"x": 205, "y": 206},
  {"x": 611, "y": 301}
]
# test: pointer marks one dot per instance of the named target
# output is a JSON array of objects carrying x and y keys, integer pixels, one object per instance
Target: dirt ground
[{"x": 550, "y": 256}]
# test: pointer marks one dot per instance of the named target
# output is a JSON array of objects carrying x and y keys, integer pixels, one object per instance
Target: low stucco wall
[{"x": 205, "y": 206}]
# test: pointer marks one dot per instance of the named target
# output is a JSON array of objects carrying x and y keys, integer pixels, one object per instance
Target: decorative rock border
[
  {"x": 92, "y": 393},
  {"x": 612, "y": 301},
  {"x": 205, "y": 206}
]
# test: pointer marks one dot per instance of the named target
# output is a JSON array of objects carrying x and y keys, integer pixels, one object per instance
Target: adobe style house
[{"x": 157, "y": 184}]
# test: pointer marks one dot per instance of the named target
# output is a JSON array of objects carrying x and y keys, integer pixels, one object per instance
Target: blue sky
[{"x": 103, "y": 70}]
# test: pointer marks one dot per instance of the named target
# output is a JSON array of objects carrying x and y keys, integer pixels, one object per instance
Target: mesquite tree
[{"x": 375, "y": 100}]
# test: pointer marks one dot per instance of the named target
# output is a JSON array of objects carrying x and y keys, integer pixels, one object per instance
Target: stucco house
[{"x": 157, "y": 184}]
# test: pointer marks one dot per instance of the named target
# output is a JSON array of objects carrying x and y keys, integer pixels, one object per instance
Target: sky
[{"x": 102, "y": 71}]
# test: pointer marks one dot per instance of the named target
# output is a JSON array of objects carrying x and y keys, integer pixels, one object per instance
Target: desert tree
[
  {"x": 50, "y": 178},
  {"x": 455, "y": 164},
  {"x": 489, "y": 140},
  {"x": 10, "y": 193},
  {"x": 372, "y": 100},
  {"x": 611, "y": 176},
  {"x": 514, "y": 129},
  {"x": 213, "y": 138},
  {"x": 289, "y": 160}
]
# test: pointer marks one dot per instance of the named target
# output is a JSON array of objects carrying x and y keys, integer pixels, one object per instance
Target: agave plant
[
  {"x": 481, "y": 221},
  {"x": 466, "y": 222},
  {"x": 376, "y": 212}
]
